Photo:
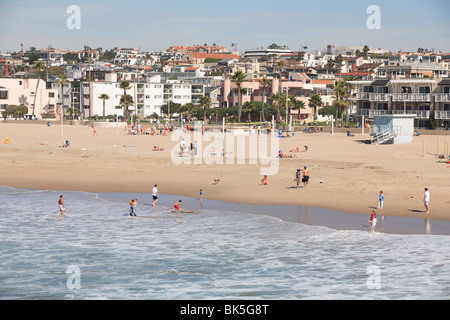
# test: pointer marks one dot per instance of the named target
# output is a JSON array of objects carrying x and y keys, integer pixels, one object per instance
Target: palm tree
[
  {"x": 281, "y": 64},
  {"x": 39, "y": 67},
  {"x": 205, "y": 103},
  {"x": 366, "y": 50},
  {"x": 330, "y": 63},
  {"x": 339, "y": 59},
  {"x": 358, "y": 53},
  {"x": 62, "y": 80},
  {"x": 298, "y": 104},
  {"x": 249, "y": 107},
  {"x": 104, "y": 97},
  {"x": 239, "y": 77},
  {"x": 128, "y": 101},
  {"x": 341, "y": 97},
  {"x": 125, "y": 85},
  {"x": 315, "y": 101},
  {"x": 265, "y": 84}
]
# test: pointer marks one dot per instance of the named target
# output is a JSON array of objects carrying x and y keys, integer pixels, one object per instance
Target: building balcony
[
  {"x": 420, "y": 114},
  {"x": 442, "y": 97},
  {"x": 411, "y": 97},
  {"x": 442, "y": 115},
  {"x": 379, "y": 97}
]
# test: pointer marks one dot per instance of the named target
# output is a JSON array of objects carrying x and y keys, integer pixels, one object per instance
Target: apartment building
[
  {"x": 411, "y": 88},
  {"x": 229, "y": 96},
  {"x": 23, "y": 91}
]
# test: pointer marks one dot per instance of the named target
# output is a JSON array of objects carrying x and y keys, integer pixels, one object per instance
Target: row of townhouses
[{"x": 397, "y": 83}]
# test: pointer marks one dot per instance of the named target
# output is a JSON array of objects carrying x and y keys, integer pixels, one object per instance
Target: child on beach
[
  {"x": 298, "y": 175},
  {"x": 373, "y": 220},
  {"x": 177, "y": 206},
  {"x": 265, "y": 181},
  {"x": 380, "y": 200}
]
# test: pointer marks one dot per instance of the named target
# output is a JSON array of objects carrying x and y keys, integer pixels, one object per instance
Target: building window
[
  {"x": 446, "y": 89},
  {"x": 51, "y": 94},
  {"x": 3, "y": 94},
  {"x": 424, "y": 90}
]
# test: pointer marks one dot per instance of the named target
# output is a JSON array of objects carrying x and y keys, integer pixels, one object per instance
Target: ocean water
[{"x": 97, "y": 251}]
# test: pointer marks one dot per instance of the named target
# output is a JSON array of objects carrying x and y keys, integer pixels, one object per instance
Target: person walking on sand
[
  {"x": 298, "y": 175},
  {"x": 305, "y": 178},
  {"x": 201, "y": 197},
  {"x": 62, "y": 207},
  {"x": 155, "y": 194},
  {"x": 380, "y": 200},
  {"x": 373, "y": 220},
  {"x": 426, "y": 200}
]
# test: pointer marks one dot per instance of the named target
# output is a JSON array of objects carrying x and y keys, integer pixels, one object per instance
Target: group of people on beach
[{"x": 373, "y": 216}]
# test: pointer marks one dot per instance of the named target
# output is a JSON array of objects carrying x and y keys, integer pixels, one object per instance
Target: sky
[{"x": 156, "y": 25}]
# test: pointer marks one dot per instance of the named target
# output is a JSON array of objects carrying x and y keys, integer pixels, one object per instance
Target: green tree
[
  {"x": 327, "y": 111},
  {"x": 104, "y": 97},
  {"x": 366, "y": 50},
  {"x": 125, "y": 85},
  {"x": 315, "y": 102},
  {"x": 73, "y": 112},
  {"x": 265, "y": 84},
  {"x": 281, "y": 65},
  {"x": 62, "y": 81},
  {"x": 432, "y": 121},
  {"x": 249, "y": 107},
  {"x": 187, "y": 110},
  {"x": 205, "y": 103},
  {"x": 238, "y": 77},
  {"x": 298, "y": 104},
  {"x": 174, "y": 107},
  {"x": 126, "y": 103}
]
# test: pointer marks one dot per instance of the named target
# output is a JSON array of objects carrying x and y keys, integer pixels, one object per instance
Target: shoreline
[
  {"x": 311, "y": 216},
  {"x": 352, "y": 171},
  {"x": 319, "y": 217}
]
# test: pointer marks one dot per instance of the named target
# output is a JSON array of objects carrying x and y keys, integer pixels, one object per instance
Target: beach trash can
[{"x": 48, "y": 124}]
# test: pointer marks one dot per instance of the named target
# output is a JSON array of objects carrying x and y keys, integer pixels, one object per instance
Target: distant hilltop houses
[{"x": 54, "y": 82}]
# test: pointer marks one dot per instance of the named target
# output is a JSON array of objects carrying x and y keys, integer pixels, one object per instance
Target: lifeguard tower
[{"x": 393, "y": 129}]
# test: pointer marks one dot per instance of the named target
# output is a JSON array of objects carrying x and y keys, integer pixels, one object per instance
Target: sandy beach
[{"x": 347, "y": 174}]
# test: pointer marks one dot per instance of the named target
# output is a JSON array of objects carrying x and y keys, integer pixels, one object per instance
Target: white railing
[
  {"x": 442, "y": 115},
  {"x": 442, "y": 97},
  {"x": 377, "y": 112},
  {"x": 378, "y": 97},
  {"x": 362, "y": 96},
  {"x": 362, "y": 112},
  {"x": 411, "y": 97}
]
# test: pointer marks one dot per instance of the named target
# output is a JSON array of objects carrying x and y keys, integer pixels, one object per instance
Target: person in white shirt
[
  {"x": 155, "y": 194},
  {"x": 426, "y": 200}
]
